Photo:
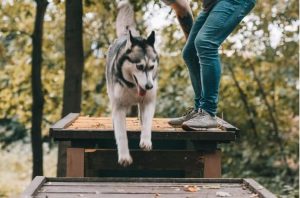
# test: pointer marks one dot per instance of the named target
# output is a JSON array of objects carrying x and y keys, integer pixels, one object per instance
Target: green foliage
[
  {"x": 10, "y": 131},
  {"x": 266, "y": 72}
]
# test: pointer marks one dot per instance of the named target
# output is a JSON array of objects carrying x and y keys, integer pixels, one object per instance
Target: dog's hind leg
[
  {"x": 146, "y": 116},
  {"x": 119, "y": 121}
]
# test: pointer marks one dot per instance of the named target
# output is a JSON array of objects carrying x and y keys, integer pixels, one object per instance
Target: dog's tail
[{"x": 125, "y": 19}]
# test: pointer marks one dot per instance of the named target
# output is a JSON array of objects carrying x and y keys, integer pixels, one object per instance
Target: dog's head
[{"x": 141, "y": 62}]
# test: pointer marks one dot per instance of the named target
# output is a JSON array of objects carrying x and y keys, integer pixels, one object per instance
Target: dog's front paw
[
  {"x": 125, "y": 160},
  {"x": 146, "y": 144}
]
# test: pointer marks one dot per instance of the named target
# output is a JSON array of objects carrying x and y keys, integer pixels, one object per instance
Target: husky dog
[{"x": 131, "y": 71}]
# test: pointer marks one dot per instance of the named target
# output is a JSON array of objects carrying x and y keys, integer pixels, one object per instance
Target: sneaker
[
  {"x": 177, "y": 122},
  {"x": 201, "y": 120}
]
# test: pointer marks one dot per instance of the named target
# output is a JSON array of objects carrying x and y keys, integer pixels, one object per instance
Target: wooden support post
[
  {"x": 75, "y": 162},
  {"x": 212, "y": 164}
]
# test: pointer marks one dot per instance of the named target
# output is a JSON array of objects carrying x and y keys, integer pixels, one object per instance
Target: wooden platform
[
  {"x": 175, "y": 153},
  {"x": 144, "y": 188},
  {"x": 74, "y": 126}
]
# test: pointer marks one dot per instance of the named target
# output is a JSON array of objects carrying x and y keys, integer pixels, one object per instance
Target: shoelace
[
  {"x": 188, "y": 111},
  {"x": 201, "y": 112}
]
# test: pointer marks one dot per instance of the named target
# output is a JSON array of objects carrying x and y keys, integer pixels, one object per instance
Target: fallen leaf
[
  {"x": 223, "y": 194},
  {"x": 244, "y": 187},
  {"x": 191, "y": 188},
  {"x": 254, "y": 196}
]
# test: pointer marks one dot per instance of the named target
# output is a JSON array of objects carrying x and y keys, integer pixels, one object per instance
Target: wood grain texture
[
  {"x": 258, "y": 189},
  {"x": 105, "y": 159},
  {"x": 212, "y": 164},
  {"x": 36, "y": 184},
  {"x": 65, "y": 121},
  {"x": 132, "y": 124},
  {"x": 81, "y": 134},
  {"x": 83, "y": 127},
  {"x": 75, "y": 162},
  {"x": 146, "y": 187}
]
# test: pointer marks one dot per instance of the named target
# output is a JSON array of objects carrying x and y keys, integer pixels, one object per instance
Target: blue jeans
[{"x": 200, "y": 52}]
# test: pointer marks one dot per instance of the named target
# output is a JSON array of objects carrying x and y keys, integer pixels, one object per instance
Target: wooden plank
[
  {"x": 150, "y": 180},
  {"x": 257, "y": 188},
  {"x": 66, "y": 135},
  {"x": 144, "y": 187},
  {"x": 136, "y": 184},
  {"x": 75, "y": 162},
  {"x": 74, "y": 126},
  {"x": 212, "y": 164},
  {"x": 134, "y": 144},
  {"x": 125, "y": 189},
  {"x": 37, "y": 182},
  {"x": 132, "y": 124},
  {"x": 152, "y": 160},
  {"x": 129, "y": 188},
  {"x": 132, "y": 189},
  {"x": 64, "y": 122},
  {"x": 56, "y": 195},
  {"x": 192, "y": 173}
]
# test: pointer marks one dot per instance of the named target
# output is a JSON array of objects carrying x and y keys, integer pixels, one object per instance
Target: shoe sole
[
  {"x": 188, "y": 128},
  {"x": 175, "y": 125}
]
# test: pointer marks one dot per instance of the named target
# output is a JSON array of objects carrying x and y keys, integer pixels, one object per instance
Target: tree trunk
[
  {"x": 250, "y": 111},
  {"x": 271, "y": 113},
  {"x": 73, "y": 70},
  {"x": 37, "y": 92}
]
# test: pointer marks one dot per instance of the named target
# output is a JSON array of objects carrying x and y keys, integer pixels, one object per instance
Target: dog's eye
[
  {"x": 140, "y": 67},
  {"x": 151, "y": 67}
]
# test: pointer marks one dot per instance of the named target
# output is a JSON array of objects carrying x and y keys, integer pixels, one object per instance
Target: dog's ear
[
  {"x": 130, "y": 40},
  {"x": 151, "y": 39}
]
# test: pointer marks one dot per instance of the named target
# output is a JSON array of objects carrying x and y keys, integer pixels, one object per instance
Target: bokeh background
[{"x": 259, "y": 88}]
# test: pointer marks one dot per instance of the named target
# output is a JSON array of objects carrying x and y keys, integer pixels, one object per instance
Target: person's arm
[{"x": 184, "y": 15}]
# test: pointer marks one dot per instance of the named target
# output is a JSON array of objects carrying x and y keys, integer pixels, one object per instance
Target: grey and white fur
[{"x": 131, "y": 76}]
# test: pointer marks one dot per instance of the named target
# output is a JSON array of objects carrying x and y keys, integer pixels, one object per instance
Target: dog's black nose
[{"x": 148, "y": 86}]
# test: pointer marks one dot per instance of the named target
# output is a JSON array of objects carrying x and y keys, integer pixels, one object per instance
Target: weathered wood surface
[
  {"x": 212, "y": 164},
  {"x": 75, "y": 162},
  {"x": 34, "y": 186},
  {"x": 133, "y": 124},
  {"x": 99, "y": 161},
  {"x": 154, "y": 188},
  {"x": 83, "y": 127},
  {"x": 65, "y": 121}
]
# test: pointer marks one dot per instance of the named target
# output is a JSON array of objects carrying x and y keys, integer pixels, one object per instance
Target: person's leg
[
  {"x": 184, "y": 14},
  {"x": 190, "y": 29},
  {"x": 221, "y": 21},
  {"x": 191, "y": 59}
]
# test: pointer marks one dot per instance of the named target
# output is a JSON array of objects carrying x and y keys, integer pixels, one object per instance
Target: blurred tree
[
  {"x": 267, "y": 39},
  {"x": 37, "y": 93},
  {"x": 73, "y": 71}
]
